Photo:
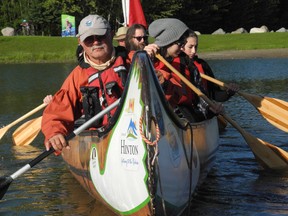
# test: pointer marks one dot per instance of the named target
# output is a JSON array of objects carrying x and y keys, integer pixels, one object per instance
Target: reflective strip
[
  {"x": 93, "y": 77},
  {"x": 119, "y": 68}
]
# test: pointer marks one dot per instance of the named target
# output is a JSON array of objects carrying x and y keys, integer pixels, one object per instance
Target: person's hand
[
  {"x": 47, "y": 99},
  {"x": 58, "y": 142},
  {"x": 151, "y": 50},
  {"x": 232, "y": 88},
  {"x": 160, "y": 77},
  {"x": 217, "y": 108}
]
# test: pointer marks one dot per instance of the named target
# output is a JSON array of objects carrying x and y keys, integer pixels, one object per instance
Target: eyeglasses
[
  {"x": 92, "y": 38},
  {"x": 139, "y": 38}
]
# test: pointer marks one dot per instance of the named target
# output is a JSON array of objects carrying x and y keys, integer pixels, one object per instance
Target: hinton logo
[
  {"x": 132, "y": 130},
  {"x": 126, "y": 147}
]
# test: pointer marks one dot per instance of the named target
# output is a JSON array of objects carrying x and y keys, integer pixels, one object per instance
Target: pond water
[{"x": 236, "y": 184}]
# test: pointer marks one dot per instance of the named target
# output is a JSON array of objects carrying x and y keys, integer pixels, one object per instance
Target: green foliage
[
  {"x": 203, "y": 15},
  {"x": 161, "y": 8}
]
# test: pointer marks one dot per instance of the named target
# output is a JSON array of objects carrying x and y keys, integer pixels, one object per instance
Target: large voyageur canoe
[{"x": 147, "y": 161}]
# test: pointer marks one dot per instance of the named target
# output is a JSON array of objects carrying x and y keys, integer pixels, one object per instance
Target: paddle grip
[
  {"x": 70, "y": 136},
  {"x": 41, "y": 157},
  {"x": 47, "y": 153}
]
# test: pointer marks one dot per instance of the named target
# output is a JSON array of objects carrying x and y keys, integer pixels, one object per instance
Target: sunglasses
[
  {"x": 92, "y": 38},
  {"x": 139, "y": 38}
]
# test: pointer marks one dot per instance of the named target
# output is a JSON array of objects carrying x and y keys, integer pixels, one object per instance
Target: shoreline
[
  {"x": 245, "y": 54},
  {"x": 216, "y": 55}
]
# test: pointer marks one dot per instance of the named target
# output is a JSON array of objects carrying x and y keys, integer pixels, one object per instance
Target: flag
[
  {"x": 133, "y": 13},
  {"x": 68, "y": 25}
]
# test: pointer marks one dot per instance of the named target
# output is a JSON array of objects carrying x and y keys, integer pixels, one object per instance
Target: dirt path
[{"x": 243, "y": 54}]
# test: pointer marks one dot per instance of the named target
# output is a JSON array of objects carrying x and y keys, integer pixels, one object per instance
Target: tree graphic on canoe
[{"x": 132, "y": 130}]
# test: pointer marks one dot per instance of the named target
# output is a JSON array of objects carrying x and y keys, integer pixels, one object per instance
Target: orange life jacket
[
  {"x": 104, "y": 88},
  {"x": 176, "y": 92}
]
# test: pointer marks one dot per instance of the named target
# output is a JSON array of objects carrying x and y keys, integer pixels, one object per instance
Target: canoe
[{"x": 147, "y": 160}]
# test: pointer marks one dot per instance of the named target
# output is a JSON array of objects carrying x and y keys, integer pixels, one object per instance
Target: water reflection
[
  {"x": 235, "y": 186},
  {"x": 23, "y": 86}
]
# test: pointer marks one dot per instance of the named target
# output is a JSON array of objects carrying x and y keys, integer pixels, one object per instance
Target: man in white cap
[{"x": 94, "y": 84}]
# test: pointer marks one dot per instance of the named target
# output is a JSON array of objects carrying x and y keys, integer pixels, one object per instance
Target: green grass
[
  {"x": 212, "y": 43},
  {"x": 25, "y": 49},
  {"x": 37, "y": 49}
]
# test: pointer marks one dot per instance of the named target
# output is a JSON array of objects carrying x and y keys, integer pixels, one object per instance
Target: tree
[
  {"x": 161, "y": 8},
  {"x": 236, "y": 18},
  {"x": 203, "y": 15},
  {"x": 266, "y": 13},
  {"x": 283, "y": 15}
]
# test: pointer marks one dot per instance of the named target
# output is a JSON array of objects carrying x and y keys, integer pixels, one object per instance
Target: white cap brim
[{"x": 92, "y": 31}]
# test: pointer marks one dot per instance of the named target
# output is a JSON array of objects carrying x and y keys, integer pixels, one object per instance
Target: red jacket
[
  {"x": 66, "y": 106},
  {"x": 201, "y": 70},
  {"x": 176, "y": 92}
]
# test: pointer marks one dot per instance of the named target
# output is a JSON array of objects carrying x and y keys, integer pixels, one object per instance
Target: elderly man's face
[{"x": 98, "y": 47}]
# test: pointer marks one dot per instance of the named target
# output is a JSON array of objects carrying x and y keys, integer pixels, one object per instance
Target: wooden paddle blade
[
  {"x": 267, "y": 155},
  {"x": 268, "y": 158},
  {"x": 7, "y": 127},
  {"x": 275, "y": 111},
  {"x": 27, "y": 132}
]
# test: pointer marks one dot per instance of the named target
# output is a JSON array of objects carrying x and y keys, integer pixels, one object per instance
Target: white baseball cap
[{"x": 92, "y": 25}]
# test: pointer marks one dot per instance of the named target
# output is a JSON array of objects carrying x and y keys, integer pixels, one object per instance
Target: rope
[{"x": 145, "y": 138}]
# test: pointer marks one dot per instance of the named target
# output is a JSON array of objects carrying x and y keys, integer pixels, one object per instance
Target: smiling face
[
  {"x": 190, "y": 47},
  {"x": 98, "y": 48}
]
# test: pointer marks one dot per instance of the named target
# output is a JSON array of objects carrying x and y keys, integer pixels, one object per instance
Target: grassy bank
[{"x": 21, "y": 49}]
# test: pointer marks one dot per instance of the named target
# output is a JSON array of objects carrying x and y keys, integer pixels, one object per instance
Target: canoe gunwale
[{"x": 105, "y": 143}]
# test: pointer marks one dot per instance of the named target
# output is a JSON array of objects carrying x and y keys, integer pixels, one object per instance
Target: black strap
[{"x": 91, "y": 103}]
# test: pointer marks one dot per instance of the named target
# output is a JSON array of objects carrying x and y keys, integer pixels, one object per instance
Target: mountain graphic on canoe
[{"x": 132, "y": 130}]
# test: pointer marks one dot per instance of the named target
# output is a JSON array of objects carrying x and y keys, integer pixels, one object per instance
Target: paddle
[
  {"x": 268, "y": 155},
  {"x": 275, "y": 111},
  {"x": 27, "y": 132},
  {"x": 222, "y": 123},
  {"x": 5, "y": 181},
  {"x": 4, "y": 129}
]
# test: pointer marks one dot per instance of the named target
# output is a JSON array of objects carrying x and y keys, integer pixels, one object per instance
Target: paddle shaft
[
  {"x": 269, "y": 155},
  {"x": 219, "y": 83},
  {"x": 211, "y": 79},
  {"x": 70, "y": 136},
  {"x": 198, "y": 92},
  {"x": 185, "y": 80},
  {"x": 275, "y": 111},
  {"x": 27, "y": 115}
]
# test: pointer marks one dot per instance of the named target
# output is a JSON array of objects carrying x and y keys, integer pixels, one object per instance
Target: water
[{"x": 235, "y": 186}]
